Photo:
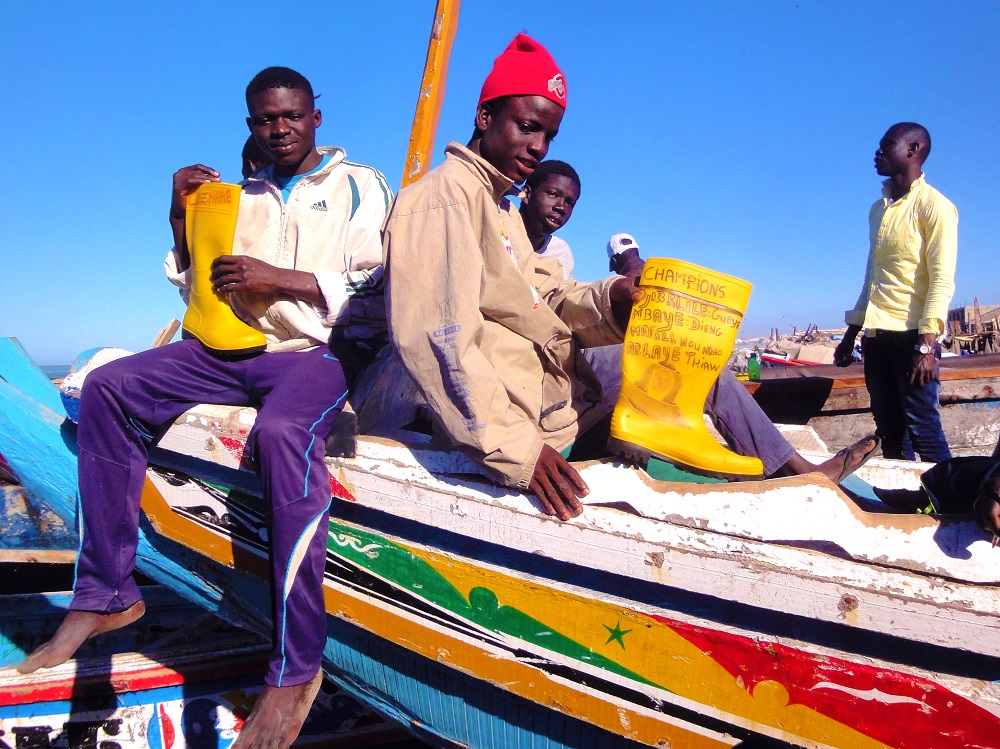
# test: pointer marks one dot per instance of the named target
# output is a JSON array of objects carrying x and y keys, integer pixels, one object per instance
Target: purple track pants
[{"x": 127, "y": 404}]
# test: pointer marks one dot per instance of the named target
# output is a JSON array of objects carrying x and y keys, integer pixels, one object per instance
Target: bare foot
[
  {"x": 837, "y": 468},
  {"x": 76, "y": 628},
  {"x": 278, "y": 715},
  {"x": 848, "y": 460}
]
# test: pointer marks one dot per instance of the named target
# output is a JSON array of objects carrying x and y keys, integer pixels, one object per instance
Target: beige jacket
[{"x": 489, "y": 330}]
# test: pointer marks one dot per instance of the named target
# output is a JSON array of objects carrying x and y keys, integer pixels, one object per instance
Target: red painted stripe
[
  {"x": 136, "y": 679},
  {"x": 235, "y": 446},
  {"x": 896, "y": 708},
  {"x": 6, "y": 471},
  {"x": 340, "y": 491}
]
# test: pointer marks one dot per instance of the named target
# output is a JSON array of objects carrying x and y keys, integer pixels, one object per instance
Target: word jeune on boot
[{"x": 209, "y": 227}]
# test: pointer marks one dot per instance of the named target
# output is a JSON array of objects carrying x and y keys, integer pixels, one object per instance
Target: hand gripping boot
[
  {"x": 209, "y": 226},
  {"x": 679, "y": 337}
]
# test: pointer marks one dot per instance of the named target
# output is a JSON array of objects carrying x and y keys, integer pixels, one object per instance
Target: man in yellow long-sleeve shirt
[{"x": 903, "y": 305}]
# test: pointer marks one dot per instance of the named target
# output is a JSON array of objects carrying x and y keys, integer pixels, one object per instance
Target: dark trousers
[
  {"x": 954, "y": 484},
  {"x": 906, "y": 418},
  {"x": 127, "y": 404},
  {"x": 744, "y": 426}
]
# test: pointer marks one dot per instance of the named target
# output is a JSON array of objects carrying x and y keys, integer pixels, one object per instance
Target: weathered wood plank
[
  {"x": 814, "y": 395},
  {"x": 952, "y": 368},
  {"x": 970, "y": 428},
  {"x": 37, "y": 556},
  {"x": 166, "y": 335},
  {"x": 28, "y": 525},
  {"x": 835, "y": 402}
]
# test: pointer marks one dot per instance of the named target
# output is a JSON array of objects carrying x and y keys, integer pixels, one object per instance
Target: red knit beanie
[{"x": 525, "y": 68}]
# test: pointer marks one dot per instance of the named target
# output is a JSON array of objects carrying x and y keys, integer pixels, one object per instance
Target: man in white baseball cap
[{"x": 623, "y": 255}]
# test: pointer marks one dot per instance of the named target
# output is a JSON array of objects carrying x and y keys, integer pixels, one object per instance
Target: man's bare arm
[
  {"x": 843, "y": 355},
  {"x": 252, "y": 276},
  {"x": 557, "y": 485}
]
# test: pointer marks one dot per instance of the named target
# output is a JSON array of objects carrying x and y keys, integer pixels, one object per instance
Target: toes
[{"x": 32, "y": 663}]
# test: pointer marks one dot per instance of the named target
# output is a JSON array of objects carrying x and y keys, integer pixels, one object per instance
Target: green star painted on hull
[
  {"x": 617, "y": 634},
  {"x": 402, "y": 568}
]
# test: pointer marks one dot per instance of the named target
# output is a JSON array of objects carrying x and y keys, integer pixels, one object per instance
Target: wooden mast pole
[{"x": 425, "y": 120}]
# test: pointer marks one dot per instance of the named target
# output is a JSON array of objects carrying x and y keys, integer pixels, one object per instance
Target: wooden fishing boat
[
  {"x": 757, "y": 615},
  {"x": 178, "y": 678},
  {"x": 834, "y": 401},
  {"x": 761, "y": 614}
]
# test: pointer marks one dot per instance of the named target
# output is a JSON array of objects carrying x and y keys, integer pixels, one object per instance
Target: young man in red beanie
[
  {"x": 490, "y": 330},
  {"x": 483, "y": 324}
]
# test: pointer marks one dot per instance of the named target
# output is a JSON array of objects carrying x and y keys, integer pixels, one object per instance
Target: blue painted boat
[{"x": 20, "y": 372}]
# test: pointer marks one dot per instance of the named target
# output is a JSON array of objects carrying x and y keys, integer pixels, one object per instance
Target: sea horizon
[{"x": 55, "y": 371}]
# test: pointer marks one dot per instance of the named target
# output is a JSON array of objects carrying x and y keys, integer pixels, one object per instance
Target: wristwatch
[{"x": 923, "y": 348}]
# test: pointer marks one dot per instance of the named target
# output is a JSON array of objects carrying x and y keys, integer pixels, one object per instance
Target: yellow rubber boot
[
  {"x": 210, "y": 224},
  {"x": 679, "y": 338}
]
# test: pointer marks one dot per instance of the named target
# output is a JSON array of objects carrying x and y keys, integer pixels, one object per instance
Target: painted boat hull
[
  {"x": 834, "y": 401},
  {"x": 668, "y": 614},
  {"x": 604, "y": 622}
]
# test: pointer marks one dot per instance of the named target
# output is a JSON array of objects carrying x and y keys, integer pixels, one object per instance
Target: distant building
[{"x": 962, "y": 320}]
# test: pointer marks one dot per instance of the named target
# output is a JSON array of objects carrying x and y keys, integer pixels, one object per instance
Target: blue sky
[{"x": 736, "y": 135}]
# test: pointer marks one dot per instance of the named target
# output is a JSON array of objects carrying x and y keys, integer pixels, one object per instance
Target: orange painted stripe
[{"x": 516, "y": 677}]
